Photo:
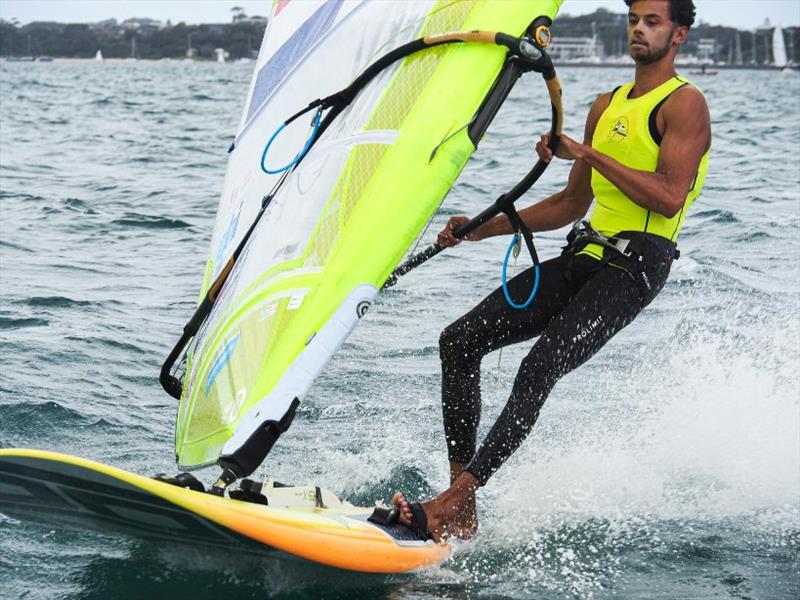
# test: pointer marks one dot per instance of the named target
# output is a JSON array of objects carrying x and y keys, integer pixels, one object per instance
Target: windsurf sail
[{"x": 297, "y": 256}]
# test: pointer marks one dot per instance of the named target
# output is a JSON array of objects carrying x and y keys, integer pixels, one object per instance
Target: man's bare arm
[
  {"x": 687, "y": 135},
  {"x": 562, "y": 208}
]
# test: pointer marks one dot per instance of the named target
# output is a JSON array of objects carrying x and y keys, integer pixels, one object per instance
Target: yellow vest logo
[{"x": 620, "y": 130}]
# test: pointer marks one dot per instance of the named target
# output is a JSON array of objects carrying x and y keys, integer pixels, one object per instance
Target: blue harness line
[
  {"x": 300, "y": 155},
  {"x": 514, "y": 246}
]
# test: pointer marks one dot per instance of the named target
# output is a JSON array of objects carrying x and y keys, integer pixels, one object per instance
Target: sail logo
[
  {"x": 295, "y": 301},
  {"x": 620, "y": 130},
  {"x": 362, "y": 308},
  {"x": 231, "y": 411},
  {"x": 266, "y": 312},
  {"x": 220, "y": 362}
]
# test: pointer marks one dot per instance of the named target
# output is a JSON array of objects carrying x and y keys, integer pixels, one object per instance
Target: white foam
[{"x": 715, "y": 434}]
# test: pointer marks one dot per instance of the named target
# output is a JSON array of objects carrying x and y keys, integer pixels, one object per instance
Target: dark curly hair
[{"x": 680, "y": 11}]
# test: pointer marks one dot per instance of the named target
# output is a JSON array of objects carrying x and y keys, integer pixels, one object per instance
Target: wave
[
  {"x": 6, "y": 244},
  {"x": 21, "y": 323},
  {"x": 53, "y": 302},
  {"x": 78, "y": 205},
  {"x": 108, "y": 342},
  {"x": 137, "y": 220},
  {"x": 717, "y": 216},
  {"x": 26, "y": 418}
]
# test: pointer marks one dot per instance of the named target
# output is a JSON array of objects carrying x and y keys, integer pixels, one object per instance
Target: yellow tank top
[{"x": 627, "y": 132}]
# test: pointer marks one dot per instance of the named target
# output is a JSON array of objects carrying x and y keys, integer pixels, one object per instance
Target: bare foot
[
  {"x": 405, "y": 515},
  {"x": 468, "y": 519},
  {"x": 453, "y": 513}
]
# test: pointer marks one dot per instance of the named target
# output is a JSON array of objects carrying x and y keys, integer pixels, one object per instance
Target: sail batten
[{"x": 344, "y": 216}]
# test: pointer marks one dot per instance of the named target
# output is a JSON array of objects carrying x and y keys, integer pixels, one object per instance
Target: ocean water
[{"x": 668, "y": 466}]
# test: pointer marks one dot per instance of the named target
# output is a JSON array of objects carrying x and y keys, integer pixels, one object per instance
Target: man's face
[{"x": 651, "y": 33}]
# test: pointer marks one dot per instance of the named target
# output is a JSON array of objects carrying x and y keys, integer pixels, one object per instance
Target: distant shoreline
[{"x": 593, "y": 65}]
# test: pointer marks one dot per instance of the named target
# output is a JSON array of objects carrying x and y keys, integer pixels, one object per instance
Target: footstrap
[
  {"x": 183, "y": 480},
  {"x": 390, "y": 517},
  {"x": 419, "y": 521},
  {"x": 384, "y": 516}
]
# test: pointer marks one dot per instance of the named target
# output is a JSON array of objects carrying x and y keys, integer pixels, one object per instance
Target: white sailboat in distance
[{"x": 779, "y": 48}]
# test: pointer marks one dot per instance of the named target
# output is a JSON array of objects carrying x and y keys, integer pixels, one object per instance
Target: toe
[{"x": 401, "y": 506}]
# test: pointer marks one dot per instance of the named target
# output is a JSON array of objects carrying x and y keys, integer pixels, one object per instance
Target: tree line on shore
[{"x": 74, "y": 40}]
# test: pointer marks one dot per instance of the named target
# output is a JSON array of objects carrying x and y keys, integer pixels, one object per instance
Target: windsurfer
[{"x": 643, "y": 158}]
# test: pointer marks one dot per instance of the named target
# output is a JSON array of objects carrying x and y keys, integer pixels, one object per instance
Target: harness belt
[
  {"x": 582, "y": 234},
  {"x": 632, "y": 261}
]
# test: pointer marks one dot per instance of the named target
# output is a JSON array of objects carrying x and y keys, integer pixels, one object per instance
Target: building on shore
[{"x": 576, "y": 49}]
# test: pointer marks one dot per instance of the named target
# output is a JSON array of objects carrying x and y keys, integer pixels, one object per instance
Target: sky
[{"x": 743, "y": 14}]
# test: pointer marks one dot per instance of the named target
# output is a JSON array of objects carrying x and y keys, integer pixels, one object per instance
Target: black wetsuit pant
[{"x": 581, "y": 303}]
